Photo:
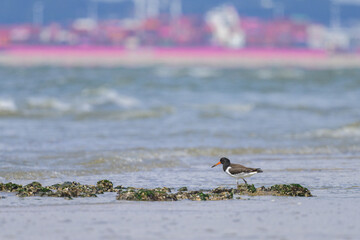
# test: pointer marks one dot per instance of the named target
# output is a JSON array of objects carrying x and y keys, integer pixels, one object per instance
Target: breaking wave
[
  {"x": 219, "y": 110},
  {"x": 284, "y": 73},
  {"x": 102, "y": 96},
  {"x": 48, "y": 103},
  {"x": 195, "y": 72},
  {"x": 7, "y": 106},
  {"x": 203, "y": 72},
  {"x": 155, "y": 112},
  {"x": 347, "y": 131},
  {"x": 91, "y": 103}
]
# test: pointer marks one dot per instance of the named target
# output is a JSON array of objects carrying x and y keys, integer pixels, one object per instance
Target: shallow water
[{"x": 163, "y": 126}]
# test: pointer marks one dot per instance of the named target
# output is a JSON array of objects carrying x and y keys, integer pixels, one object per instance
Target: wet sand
[
  {"x": 256, "y": 218},
  {"x": 333, "y": 212},
  {"x": 113, "y": 56}
]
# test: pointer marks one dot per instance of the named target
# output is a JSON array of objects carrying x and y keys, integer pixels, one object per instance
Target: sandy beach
[{"x": 114, "y": 56}]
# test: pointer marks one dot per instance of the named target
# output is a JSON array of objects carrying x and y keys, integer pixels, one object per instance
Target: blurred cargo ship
[{"x": 220, "y": 35}]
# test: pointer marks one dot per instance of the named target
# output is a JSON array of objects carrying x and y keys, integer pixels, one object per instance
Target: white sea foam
[
  {"x": 7, "y": 106},
  {"x": 264, "y": 74},
  {"x": 48, "y": 103},
  {"x": 346, "y": 131},
  {"x": 338, "y": 133},
  {"x": 166, "y": 72},
  {"x": 215, "y": 110},
  {"x": 286, "y": 73},
  {"x": 128, "y": 114},
  {"x": 83, "y": 107},
  {"x": 238, "y": 108},
  {"x": 203, "y": 72},
  {"x": 104, "y": 95}
]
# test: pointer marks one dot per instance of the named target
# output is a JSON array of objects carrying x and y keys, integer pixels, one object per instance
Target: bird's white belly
[{"x": 240, "y": 175}]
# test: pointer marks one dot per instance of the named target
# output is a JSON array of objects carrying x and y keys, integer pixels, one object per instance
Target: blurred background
[{"x": 332, "y": 25}]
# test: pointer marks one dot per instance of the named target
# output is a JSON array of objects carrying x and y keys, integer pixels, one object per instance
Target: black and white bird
[{"x": 236, "y": 170}]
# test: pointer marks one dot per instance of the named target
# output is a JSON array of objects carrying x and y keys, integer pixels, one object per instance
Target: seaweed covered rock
[
  {"x": 67, "y": 189},
  {"x": 192, "y": 195},
  {"x": 220, "y": 193},
  {"x": 182, "y": 189},
  {"x": 73, "y": 189},
  {"x": 294, "y": 190},
  {"x": 105, "y": 186},
  {"x": 164, "y": 194},
  {"x": 10, "y": 187},
  {"x": 222, "y": 196},
  {"x": 206, "y": 194},
  {"x": 247, "y": 189},
  {"x": 33, "y": 189},
  {"x": 142, "y": 194}
]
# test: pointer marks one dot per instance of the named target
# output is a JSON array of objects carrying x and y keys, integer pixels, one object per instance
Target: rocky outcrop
[{"x": 71, "y": 190}]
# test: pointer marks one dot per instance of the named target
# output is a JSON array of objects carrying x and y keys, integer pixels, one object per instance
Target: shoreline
[{"x": 90, "y": 56}]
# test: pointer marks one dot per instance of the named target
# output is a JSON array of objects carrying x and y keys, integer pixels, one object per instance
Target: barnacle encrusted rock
[
  {"x": 66, "y": 190},
  {"x": 71, "y": 190},
  {"x": 33, "y": 189},
  {"x": 142, "y": 194},
  {"x": 165, "y": 194},
  {"x": 10, "y": 187},
  {"x": 293, "y": 190},
  {"x": 105, "y": 186},
  {"x": 183, "y": 189},
  {"x": 157, "y": 194}
]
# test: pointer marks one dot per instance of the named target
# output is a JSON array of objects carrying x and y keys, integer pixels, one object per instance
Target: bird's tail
[{"x": 258, "y": 170}]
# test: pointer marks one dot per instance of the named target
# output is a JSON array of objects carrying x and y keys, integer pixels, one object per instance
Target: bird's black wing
[{"x": 237, "y": 168}]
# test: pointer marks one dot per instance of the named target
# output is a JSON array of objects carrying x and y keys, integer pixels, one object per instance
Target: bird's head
[{"x": 223, "y": 160}]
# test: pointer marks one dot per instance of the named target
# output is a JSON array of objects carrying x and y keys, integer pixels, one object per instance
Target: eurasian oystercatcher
[{"x": 236, "y": 170}]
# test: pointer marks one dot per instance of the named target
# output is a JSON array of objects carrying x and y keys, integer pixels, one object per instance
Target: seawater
[{"x": 69, "y": 122}]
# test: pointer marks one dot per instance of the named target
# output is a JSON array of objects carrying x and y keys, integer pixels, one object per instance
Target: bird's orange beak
[{"x": 216, "y": 164}]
